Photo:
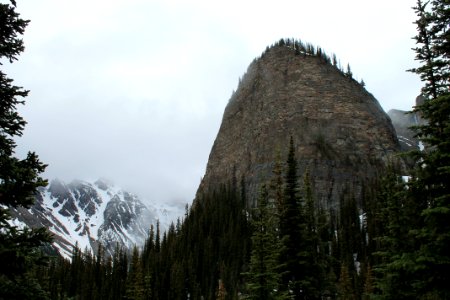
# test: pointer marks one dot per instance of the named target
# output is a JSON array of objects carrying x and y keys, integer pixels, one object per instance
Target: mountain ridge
[{"x": 89, "y": 214}]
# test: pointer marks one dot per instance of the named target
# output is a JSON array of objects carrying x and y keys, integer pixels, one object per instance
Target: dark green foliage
[
  {"x": 345, "y": 285},
  {"x": 291, "y": 225},
  {"x": 19, "y": 178},
  {"x": 305, "y": 236},
  {"x": 433, "y": 46},
  {"x": 314, "y": 253},
  {"x": 414, "y": 240},
  {"x": 135, "y": 279},
  {"x": 214, "y": 253},
  {"x": 350, "y": 243},
  {"x": 218, "y": 230},
  {"x": 429, "y": 189},
  {"x": 264, "y": 276},
  {"x": 89, "y": 277},
  {"x": 12, "y": 26},
  {"x": 394, "y": 216}
]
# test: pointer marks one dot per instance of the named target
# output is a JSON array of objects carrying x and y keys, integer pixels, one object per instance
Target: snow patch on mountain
[{"x": 88, "y": 214}]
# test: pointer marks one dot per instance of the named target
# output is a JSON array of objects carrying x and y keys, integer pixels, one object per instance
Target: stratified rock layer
[{"x": 341, "y": 133}]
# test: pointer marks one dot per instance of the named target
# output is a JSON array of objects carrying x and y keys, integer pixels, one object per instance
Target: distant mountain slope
[
  {"x": 92, "y": 213},
  {"x": 402, "y": 121}
]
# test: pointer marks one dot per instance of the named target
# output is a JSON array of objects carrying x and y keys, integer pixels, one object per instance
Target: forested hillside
[{"x": 287, "y": 246}]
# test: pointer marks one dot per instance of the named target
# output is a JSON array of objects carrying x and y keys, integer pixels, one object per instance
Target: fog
[{"x": 134, "y": 91}]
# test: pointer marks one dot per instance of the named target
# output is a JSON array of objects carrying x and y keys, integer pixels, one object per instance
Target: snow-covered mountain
[{"x": 91, "y": 213}]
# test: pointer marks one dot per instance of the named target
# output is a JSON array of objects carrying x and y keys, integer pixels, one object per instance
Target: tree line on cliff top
[{"x": 299, "y": 47}]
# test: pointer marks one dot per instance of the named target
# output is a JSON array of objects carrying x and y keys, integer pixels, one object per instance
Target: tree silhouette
[{"x": 19, "y": 178}]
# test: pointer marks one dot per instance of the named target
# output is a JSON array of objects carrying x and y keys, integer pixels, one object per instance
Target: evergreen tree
[
  {"x": 157, "y": 238},
  {"x": 303, "y": 258},
  {"x": 352, "y": 241},
  {"x": 312, "y": 256},
  {"x": 76, "y": 271},
  {"x": 397, "y": 216},
  {"x": 417, "y": 261},
  {"x": 264, "y": 277},
  {"x": 368, "y": 283},
  {"x": 135, "y": 278},
  {"x": 433, "y": 165},
  {"x": 349, "y": 73},
  {"x": 345, "y": 286},
  {"x": 19, "y": 178},
  {"x": 291, "y": 227},
  {"x": 433, "y": 44},
  {"x": 119, "y": 273}
]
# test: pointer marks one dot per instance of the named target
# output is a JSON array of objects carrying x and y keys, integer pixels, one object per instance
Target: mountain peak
[
  {"x": 104, "y": 184},
  {"x": 87, "y": 214},
  {"x": 341, "y": 133}
]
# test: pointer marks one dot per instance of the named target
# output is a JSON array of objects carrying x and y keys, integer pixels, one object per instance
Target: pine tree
[
  {"x": 303, "y": 258},
  {"x": 350, "y": 239},
  {"x": 135, "y": 279},
  {"x": 345, "y": 286},
  {"x": 19, "y": 178},
  {"x": 397, "y": 216},
  {"x": 264, "y": 277},
  {"x": 432, "y": 48},
  {"x": 157, "y": 238},
  {"x": 335, "y": 61},
  {"x": 312, "y": 256},
  {"x": 433, "y": 165},
  {"x": 368, "y": 283},
  {"x": 349, "y": 73},
  {"x": 119, "y": 273},
  {"x": 291, "y": 223},
  {"x": 417, "y": 261}
]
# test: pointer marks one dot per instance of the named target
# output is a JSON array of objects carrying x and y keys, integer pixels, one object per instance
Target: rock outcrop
[
  {"x": 341, "y": 133},
  {"x": 402, "y": 121}
]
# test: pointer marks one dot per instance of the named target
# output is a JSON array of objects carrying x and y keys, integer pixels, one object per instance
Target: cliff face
[
  {"x": 341, "y": 133},
  {"x": 403, "y": 121}
]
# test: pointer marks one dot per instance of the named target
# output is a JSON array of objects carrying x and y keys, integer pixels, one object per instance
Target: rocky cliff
[
  {"x": 341, "y": 133},
  {"x": 402, "y": 121}
]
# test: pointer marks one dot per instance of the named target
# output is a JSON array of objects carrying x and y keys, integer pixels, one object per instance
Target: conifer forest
[{"x": 390, "y": 242}]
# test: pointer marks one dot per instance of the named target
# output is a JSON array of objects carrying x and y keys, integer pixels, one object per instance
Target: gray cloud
[{"x": 134, "y": 91}]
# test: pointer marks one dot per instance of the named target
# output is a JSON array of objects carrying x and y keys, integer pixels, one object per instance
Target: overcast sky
[{"x": 134, "y": 91}]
